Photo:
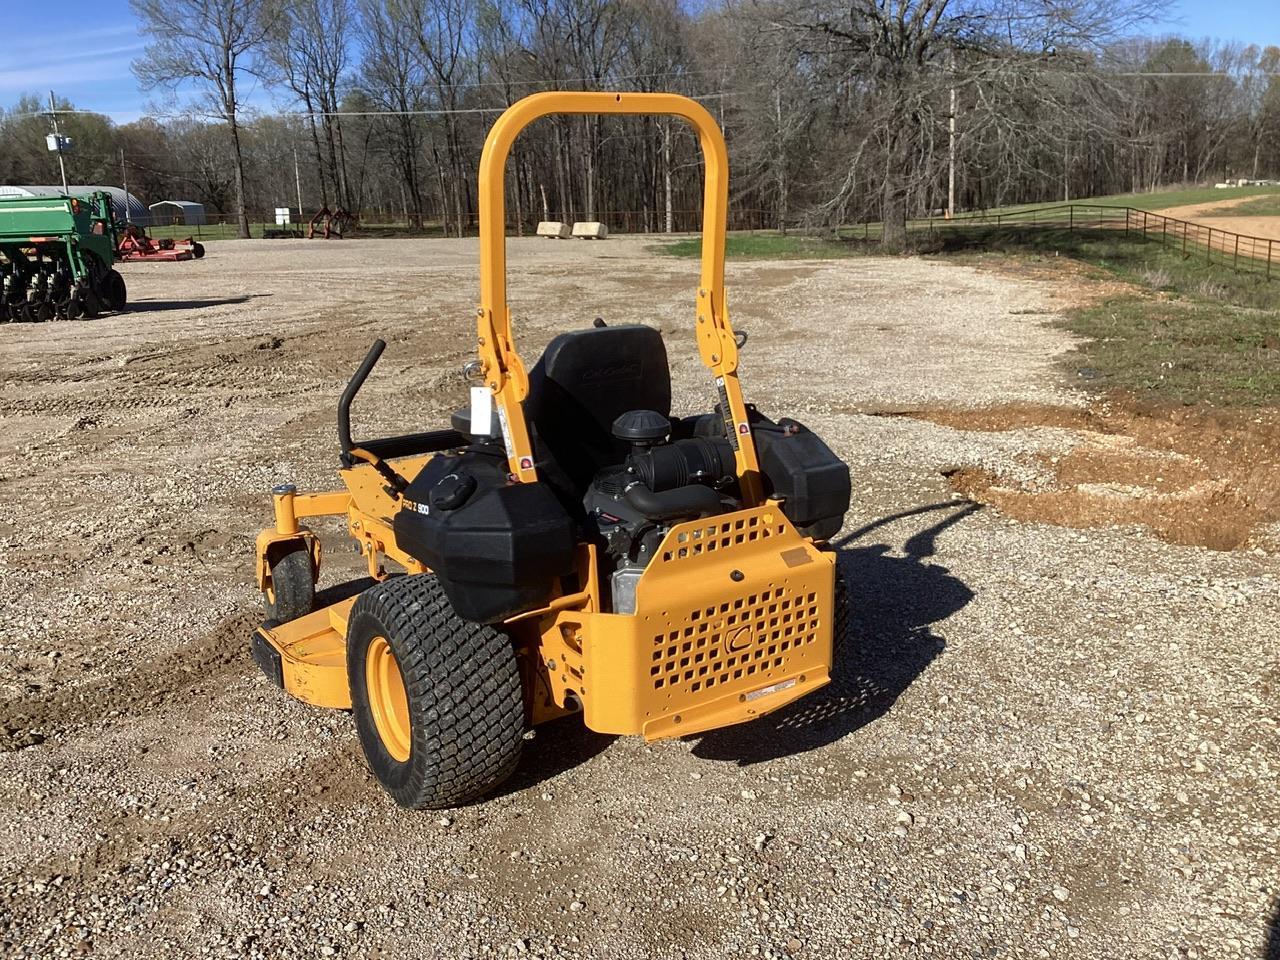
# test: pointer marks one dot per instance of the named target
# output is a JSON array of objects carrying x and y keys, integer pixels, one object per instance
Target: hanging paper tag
[{"x": 481, "y": 411}]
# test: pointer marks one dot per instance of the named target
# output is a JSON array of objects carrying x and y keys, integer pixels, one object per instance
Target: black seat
[{"x": 584, "y": 381}]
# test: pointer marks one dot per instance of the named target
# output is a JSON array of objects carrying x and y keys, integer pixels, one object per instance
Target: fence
[{"x": 1240, "y": 251}]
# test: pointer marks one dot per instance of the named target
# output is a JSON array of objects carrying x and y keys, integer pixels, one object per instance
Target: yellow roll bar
[{"x": 502, "y": 369}]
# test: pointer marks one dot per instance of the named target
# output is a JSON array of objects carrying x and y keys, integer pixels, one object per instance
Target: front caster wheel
[
  {"x": 437, "y": 700},
  {"x": 292, "y": 590}
]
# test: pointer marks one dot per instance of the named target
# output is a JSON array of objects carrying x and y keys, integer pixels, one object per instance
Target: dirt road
[
  {"x": 1268, "y": 228},
  {"x": 1043, "y": 742}
]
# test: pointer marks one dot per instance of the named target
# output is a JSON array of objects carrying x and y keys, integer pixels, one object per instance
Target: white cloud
[
  {"x": 62, "y": 38},
  {"x": 33, "y": 61},
  {"x": 45, "y": 77}
]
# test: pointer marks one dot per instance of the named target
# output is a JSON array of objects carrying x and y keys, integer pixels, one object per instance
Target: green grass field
[
  {"x": 1188, "y": 332},
  {"x": 1184, "y": 351},
  {"x": 1130, "y": 258},
  {"x": 1157, "y": 200},
  {"x": 1163, "y": 199}
]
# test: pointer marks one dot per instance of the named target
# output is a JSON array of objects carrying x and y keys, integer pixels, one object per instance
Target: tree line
[{"x": 835, "y": 111}]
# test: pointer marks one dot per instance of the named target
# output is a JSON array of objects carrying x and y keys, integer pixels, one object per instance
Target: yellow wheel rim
[{"x": 388, "y": 700}]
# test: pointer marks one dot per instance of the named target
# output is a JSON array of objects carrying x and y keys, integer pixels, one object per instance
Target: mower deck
[
  {"x": 137, "y": 247},
  {"x": 307, "y": 657}
]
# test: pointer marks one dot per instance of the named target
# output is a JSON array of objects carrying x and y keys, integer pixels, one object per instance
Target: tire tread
[{"x": 466, "y": 699}]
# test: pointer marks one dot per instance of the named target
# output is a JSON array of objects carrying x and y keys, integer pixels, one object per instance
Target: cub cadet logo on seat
[
  {"x": 626, "y": 370},
  {"x": 739, "y": 640}
]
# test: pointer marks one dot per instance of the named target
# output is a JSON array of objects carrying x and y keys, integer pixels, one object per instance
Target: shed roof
[
  {"x": 184, "y": 204},
  {"x": 124, "y": 205}
]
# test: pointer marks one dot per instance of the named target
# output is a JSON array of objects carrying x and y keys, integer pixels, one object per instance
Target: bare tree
[
  {"x": 309, "y": 52},
  {"x": 1260, "y": 94},
  {"x": 442, "y": 29},
  {"x": 900, "y": 59},
  {"x": 208, "y": 43},
  {"x": 392, "y": 77},
  {"x": 834, "y": 110}
]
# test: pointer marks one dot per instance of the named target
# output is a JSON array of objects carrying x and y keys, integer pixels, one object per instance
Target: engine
[
  {"x": 665, "y": 481},
  {"x": 662, "y": 481}
]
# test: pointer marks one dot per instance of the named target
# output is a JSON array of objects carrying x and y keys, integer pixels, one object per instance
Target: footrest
[
  {"x": 307, "y": 657},
  {"x": 736, "y": 708}
]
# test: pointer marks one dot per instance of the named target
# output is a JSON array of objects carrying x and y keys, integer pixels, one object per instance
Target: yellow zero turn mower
[{"x": 567, "y": 546}]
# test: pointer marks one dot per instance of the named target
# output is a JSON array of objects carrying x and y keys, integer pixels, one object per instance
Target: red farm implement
[
  {"x": 333, "y": 223},
  {"x": 136, "y": 246}
]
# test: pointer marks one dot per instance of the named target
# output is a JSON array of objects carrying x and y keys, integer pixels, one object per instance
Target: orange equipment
[{"x": 568, "y": 545}]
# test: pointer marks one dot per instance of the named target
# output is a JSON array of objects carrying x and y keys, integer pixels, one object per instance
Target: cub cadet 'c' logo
[{"x": 739, "y": 640}]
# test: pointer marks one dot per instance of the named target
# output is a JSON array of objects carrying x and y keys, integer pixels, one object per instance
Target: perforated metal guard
[
  {"x": 742, "y": 637},
  {"x": 732, "y": 620},
  {"x": 684, "y": 543}
]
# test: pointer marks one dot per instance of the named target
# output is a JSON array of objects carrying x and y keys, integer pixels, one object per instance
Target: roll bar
[{"x": 502, "y": 368}]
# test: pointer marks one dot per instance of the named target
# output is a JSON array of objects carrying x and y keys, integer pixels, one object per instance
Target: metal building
[
  {"x": 177, "y": 211},
  {"x": 125, "y": 206}
]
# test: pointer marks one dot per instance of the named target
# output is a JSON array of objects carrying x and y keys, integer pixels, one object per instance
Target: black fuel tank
[
  {"x": 811, "y": 480},
  {"x": 498, "y": 547}
]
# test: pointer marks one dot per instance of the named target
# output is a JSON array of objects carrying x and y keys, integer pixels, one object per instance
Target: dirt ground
[
  {"x": 1268, "y": 228},
  {"x": 1043, "y": 740},
  {"x": 1203, "y": 477}
]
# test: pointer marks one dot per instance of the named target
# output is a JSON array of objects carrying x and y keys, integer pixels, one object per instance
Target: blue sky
[{"x": 82, "y": 48}]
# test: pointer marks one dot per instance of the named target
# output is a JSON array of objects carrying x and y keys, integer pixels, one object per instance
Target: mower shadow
[
  {"x": 148, "y": 306},
  {"x": 555, "y": 747},
  {"x": 892, "y": 602},
  {"x": 343, "y": 591}
]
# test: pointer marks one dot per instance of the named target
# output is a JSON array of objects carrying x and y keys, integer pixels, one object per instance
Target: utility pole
[
  {"x": 781, "y": 161},
  {"x": 297, "y": 182},
  {"x": 62, "y": 167},
  {"x": 124, "y": 182},
  {"x": 1066, "y": 172},
  {"x": 951, "y": 146}
]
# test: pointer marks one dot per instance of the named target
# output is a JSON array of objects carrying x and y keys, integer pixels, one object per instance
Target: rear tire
[
  {"x": 293, "y": 590},
  {"x": 840, "y": 624},
  {"x": 197, "y": 250},
  {"x": 453, "y": 729},
  {"x": 114, "y": 293}
]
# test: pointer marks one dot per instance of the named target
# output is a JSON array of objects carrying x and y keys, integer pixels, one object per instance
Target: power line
[
  {"x": 1189, "y": 73},
  {"x": 438, "y": 113},
  {"x": 303, "y": 114},
  {"x": 556, "y": 85}
]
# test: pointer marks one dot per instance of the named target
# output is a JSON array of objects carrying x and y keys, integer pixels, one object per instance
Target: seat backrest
[{"x": 584, "y": 381}]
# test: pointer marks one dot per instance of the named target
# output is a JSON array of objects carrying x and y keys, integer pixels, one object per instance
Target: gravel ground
[{"x": 1042, "y": 742}]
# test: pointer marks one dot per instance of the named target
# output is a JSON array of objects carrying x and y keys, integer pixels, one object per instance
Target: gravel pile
[{"x": 1042, "y": 742}]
